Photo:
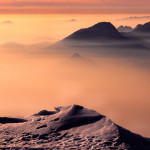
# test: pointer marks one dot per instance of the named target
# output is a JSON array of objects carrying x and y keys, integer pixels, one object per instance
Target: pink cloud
[
  {"x": 6, "y": 22},
  {"x": 135, "y": 6}
]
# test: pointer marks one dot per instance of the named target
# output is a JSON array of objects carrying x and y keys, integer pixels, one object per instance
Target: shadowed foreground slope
[{"x": 71, "y": 127}]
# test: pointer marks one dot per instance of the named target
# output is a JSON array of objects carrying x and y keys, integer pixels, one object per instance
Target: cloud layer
[
  {"x": 6, "y": 22},
  {"x": 135, "y": 18},
  {"x": 68, "y": 6}
]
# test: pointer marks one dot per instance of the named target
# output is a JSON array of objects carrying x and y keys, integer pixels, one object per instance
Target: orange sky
[{"x": 74, "y": 6}]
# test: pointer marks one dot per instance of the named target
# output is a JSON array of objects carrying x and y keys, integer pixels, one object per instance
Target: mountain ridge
[
  {"x": 102, "y": 35},
  {"x": 99, "y": 31},
  {"x": 143, "y": 28},
  {"x": 70, "y": 127}
]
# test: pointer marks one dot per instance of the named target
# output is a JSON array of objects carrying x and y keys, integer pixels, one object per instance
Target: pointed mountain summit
[
  {"x": 98, "y": 32},
  {"x": 76, "y": 56},
  {"x": 76, "y": 60}
]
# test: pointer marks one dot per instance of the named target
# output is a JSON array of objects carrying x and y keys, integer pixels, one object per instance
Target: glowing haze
[
  {"x": 74, "y": 6},
  {"x": 31, "y": 81},
  {"x": 35, "y": 28}
]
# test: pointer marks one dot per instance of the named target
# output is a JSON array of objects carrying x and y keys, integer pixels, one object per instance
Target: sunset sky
[
  {"x": 34, "y": 79},
  {"x": 75, "y": 6}
]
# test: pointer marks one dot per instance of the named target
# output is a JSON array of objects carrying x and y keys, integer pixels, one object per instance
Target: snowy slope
[{"x": 71, "y": 127}]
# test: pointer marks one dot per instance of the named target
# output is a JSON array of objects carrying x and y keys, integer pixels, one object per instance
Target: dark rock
[
  {"x": 44, "y": 137},
  {"x": 26, "y": 139},
  {"x": 56, "y": 119},
  {"x": 35, "y": 136},
  {"x": 43, "y": 126}
]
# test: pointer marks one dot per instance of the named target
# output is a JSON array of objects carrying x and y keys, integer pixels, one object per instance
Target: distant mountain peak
[
  {"x": 143, "y": 28},
  {"x": 104, "y": 26},
  {"x": 98, "y": 32},
  {"x": 124, "y": 28},
  {"x": 76, "y": 55},
  {"x": 138, "y": 26}
]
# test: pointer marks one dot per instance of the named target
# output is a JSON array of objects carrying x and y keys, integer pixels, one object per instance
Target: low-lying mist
[{"x": 117, "y": 87}]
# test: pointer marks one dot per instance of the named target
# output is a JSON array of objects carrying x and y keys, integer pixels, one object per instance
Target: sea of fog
[
  {"x": 33, "y": 77},
  {"x": 117, "y": 87}
]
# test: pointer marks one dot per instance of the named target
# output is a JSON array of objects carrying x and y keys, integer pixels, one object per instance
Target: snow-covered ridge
[{"x": 70, "y": 127}]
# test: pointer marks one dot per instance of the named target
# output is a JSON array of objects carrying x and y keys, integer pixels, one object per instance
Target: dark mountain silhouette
[
  {"x": 143, "y": 28},
  {"x": 124, "y": 29},
  {"x": 101, "y": 31},
  {"x": 76, "y": 56},
  {"x": 137, "y": 26},
  {"x": 78, "y": 61},
  {"x": 71, "y": 127},
  {"x": 142, "y": 34},
  {"x": 102, "y": 35}
]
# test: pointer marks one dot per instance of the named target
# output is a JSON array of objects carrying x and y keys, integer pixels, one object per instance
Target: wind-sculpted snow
[{"x": 71, "y": 127}]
